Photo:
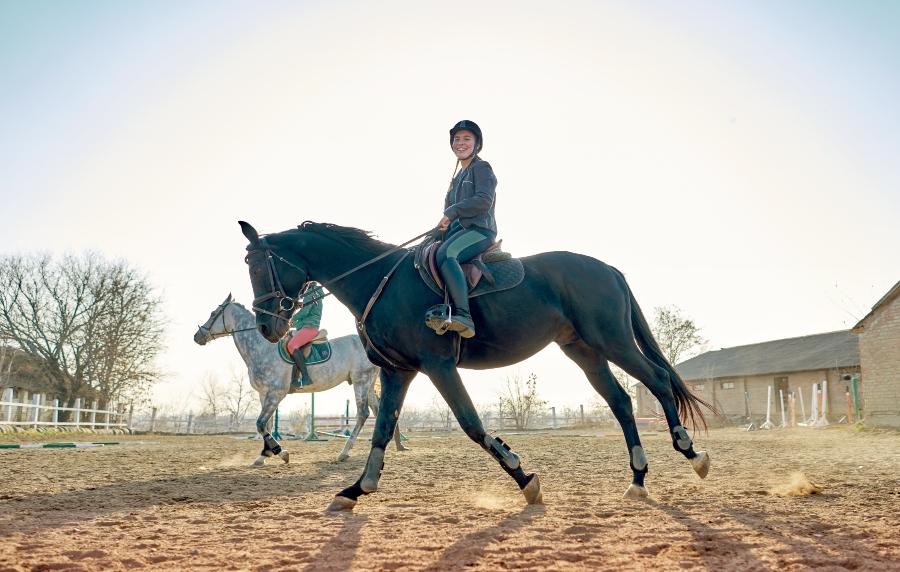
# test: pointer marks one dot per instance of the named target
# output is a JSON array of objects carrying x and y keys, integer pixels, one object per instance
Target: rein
[{"x": 278, "y": 291}]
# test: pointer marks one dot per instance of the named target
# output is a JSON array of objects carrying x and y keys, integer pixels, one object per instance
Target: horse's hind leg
[
  {"x": 596, "y": 368},
  {"x": 394, "y": 385},
  {"x": 657, "y": 380},
  {"x": 447, "y": 381},
  {"x": 269, "y": 402},
  {"x": 361, "y": 390}
]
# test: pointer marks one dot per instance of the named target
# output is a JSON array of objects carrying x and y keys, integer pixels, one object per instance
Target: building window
[
  {"x": 698, "y": 387},
  {"x": 726, "y": 385}
]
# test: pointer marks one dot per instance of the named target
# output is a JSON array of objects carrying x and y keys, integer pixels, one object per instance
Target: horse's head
[
  {"x": 276, "y": 282},
  {"x": 215, "y": 326}
]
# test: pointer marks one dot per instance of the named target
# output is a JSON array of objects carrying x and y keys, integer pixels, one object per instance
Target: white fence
[{"x": 37, "y": 413}]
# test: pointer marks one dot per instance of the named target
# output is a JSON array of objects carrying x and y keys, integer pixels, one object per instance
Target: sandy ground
[{"x": 192, "y": 503}]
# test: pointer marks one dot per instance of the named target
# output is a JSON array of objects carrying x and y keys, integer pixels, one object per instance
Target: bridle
[
  {"x": 220, "y": 312},
  {"x": 285, "y": 302}
]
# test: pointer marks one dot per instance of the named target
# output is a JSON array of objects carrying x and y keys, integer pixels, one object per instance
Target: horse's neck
[
  {"x": 355, "y": 290},
  {"x": 248, "y": 342}
]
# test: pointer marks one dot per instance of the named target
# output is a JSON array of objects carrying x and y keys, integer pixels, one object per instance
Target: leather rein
[{"x": 288, "y": 304}]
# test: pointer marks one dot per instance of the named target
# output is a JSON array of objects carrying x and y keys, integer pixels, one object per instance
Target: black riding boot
[
  {"x": 455, "y": 283},
  {"x": 300, "y": 367}
]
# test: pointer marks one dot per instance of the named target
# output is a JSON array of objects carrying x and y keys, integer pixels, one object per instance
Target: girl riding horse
[{"x": 468, "y": 219}]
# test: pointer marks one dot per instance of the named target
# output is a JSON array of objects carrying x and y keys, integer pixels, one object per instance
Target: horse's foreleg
[
  {"x": 447, "y": 381},
  {"x": 394, "y": 385},
  {"x": 373, "y": 403},
  {"x": 269, "y": 401}
]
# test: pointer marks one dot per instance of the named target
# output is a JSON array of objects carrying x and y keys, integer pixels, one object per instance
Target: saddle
[
  {"x": 491, "y": 271},
  {"x": 315, "y": 352}
]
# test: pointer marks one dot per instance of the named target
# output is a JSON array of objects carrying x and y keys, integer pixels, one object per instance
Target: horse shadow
[
  {"x": 33, "y": 513},
  {"x": 793, "y": 543},
  {"x": 469, "y": 549},
  {"x": 339, "y": 551}
]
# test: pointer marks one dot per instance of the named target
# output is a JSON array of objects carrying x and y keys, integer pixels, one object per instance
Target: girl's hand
[{"x": 445, "y": 222}]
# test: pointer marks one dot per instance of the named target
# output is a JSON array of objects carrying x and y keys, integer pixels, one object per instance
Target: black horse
[{"x": 582, "y": 304}]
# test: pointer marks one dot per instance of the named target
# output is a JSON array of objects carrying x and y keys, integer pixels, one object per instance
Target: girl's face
[{"x": 463, "y": 144}]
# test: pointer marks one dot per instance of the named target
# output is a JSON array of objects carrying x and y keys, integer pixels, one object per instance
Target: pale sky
[{"x": 738, "y": 160}]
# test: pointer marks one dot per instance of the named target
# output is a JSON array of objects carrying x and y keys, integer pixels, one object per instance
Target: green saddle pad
[{"x": 321, "y": 352}]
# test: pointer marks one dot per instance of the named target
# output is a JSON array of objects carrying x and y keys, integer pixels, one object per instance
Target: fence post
[
  {"x": 190, "y": 422},
  {"x": 553, "y": 409},
  {"x": 109, "y": 407},
  {"x": 153, "y": 420},
  {"x": 77, "y": 412},
  {"x": 130, "y": 415},
  {"x": 94, "y": 406},
  {"x": 56, "y": 413},
  {"x": 582, "y": 413},
  {"x": 36, "y": 401},
  {"x": 8, "y": 398},
  {"x": 22, "y": 411}
]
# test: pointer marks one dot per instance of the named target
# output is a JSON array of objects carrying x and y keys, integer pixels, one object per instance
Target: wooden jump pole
[{"x": 768, "y": 424}]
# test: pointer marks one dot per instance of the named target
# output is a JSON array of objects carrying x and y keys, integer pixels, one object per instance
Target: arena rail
[{"x": 37, "y": 413}]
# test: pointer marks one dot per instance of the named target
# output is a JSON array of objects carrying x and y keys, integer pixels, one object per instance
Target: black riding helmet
[{"x": 466, "y": 125}]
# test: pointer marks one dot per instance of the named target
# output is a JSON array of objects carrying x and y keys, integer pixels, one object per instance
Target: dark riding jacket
[{"x": 472, "y": 197}]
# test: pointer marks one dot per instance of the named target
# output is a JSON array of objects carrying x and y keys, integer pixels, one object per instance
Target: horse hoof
[
  {"x": 343, "y": 457},
  {"x": 532, "y": 491},
  {"x": 285, "y": 456},
  {"x": 340, "y": 503},
  {"x": 701, "y": 464},
  {"x": 259, "y": 462},
  {"x": 402, "y": 448},
  {"x": 636, "y": 492}
]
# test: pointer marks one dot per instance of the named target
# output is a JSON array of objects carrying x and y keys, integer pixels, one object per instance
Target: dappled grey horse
[{"x": 270, "y": 375}]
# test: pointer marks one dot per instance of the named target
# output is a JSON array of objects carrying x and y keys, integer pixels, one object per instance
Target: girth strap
[{"x": 361, "y": 323}]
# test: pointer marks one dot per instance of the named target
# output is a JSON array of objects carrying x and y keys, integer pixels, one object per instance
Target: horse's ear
[
  {"x": 249, "y": 232},
  {"x": 228, "y": 300}
]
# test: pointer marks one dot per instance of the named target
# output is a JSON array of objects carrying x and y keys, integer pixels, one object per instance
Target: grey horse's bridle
[{"x": 220, "y": 312}]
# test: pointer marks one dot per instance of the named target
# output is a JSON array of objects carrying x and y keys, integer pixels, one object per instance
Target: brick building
[
  {"x": 737, "y": 379},
  {"x": 879, "y": 349}
]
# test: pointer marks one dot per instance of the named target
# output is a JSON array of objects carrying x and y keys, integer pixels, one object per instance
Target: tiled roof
[{"x": 819, "y": 351}]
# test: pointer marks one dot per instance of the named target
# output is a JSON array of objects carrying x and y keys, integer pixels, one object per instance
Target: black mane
[{"x": 352, "y": 237}]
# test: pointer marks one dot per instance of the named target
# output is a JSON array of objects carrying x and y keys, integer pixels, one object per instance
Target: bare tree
[
  {"x": 94, "y": 325},
  {"x": 212, "y": 395},
  {"x": 441, "y": 410},
  {"x": 677, "y": 335},
  {"x": 521, "y": 399},
  {"x": 238, "y": 399}
]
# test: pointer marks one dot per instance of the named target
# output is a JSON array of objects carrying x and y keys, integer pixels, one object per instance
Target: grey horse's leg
[
  {"x": 394, "y": 384},
  {"x": 269, "y": 401},
  {"x": 361, "y": 390}
]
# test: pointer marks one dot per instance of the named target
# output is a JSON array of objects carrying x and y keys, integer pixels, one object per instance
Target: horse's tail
[{"x": 688, "y": 404}]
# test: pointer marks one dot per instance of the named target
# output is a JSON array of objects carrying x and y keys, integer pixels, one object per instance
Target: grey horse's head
[{"x": 215, "y": 326}]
